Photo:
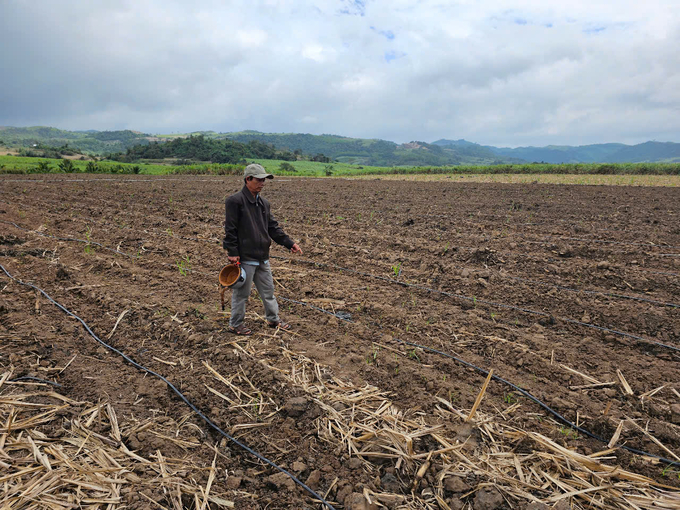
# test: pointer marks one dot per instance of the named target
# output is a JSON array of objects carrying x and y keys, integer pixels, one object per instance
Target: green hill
[
  {"x": 91, "y": 142},
  {"x": 597, "y": 153},
  {"x": 356, "y": 151},
  {"x": 371, "y": 151}
]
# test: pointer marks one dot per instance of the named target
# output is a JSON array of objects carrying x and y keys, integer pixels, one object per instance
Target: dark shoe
[
  {"x": 240, "y": 330},
  {"x": 280, "y": 324}
]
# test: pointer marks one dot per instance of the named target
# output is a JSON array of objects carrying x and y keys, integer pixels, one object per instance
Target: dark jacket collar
[{"x": 248, "y": 194}]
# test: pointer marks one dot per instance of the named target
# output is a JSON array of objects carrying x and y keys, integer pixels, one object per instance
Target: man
[{"x": 249, "y": 228}]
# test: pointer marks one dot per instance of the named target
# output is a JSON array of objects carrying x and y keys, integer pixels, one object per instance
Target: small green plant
[
  {"x": 510, "y": 398},
  {"x": 372, "y": 359},
  {"x": 446, "y": 249},
  {"x": 168, "y": 231},
  {"x": 413, "y": 355},
  {"x": 184, "y": 266},
  {"x": 569, "y": 433},
  {"x": 88, "y": 247},
  {"x": 396, "y": 270},
  {"x": 668, "y": 470}
]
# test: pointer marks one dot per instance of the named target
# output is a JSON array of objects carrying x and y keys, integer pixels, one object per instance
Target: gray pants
[{"x": 264, "y": 283}]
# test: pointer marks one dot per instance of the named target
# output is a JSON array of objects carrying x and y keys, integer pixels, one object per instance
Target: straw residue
[{"x": 61, "y": 454}]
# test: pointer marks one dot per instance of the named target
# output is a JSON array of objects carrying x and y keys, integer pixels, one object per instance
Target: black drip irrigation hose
[
  {"x": 517, "y": 278},
  {"x": 207, "y": 420},
  {"x": 31, "y": 378},
  {"x": 585, "y": 240},
  {"x": 403, "y": 284},
  {"x": 188, "y": 269},
  {"x": 593, "y": 292},
  {"x": 539, "y": 402},
  {"x": 424, "y": 348},
  {"x": 336, "y": 315},
  {"x": 560, "y": 287},
  {"x": 482, "y": 301},
  {"x": 72, "y": 239}
]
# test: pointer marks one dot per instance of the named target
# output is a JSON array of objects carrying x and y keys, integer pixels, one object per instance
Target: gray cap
[{"x": 257, "y": 171}]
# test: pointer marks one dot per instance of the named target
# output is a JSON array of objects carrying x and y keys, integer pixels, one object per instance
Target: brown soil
[{"x": 492, "y": 243}]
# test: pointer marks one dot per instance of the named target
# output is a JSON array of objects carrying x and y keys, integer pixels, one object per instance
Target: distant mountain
[
  {"x": 648, "y": 151},
  {"x": 90, "y": 141},
  {"x": 366, "y": 151},
  {"x": 469, "y": 150},
  {"x": 359, "y": 151},
  {"x": 598, "y": 153}
]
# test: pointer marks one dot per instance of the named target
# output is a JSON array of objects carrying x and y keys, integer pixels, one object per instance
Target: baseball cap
[{"x": 257, "y": 171}]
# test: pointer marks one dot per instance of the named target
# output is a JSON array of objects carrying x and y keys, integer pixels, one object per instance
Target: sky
[{"x": 496, "y": 72}]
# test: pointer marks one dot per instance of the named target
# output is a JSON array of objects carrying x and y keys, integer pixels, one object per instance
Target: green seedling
[
  {"x": 668, "y": 470},
  {"x": 569, "y": 433},
  {"x": 510, "y": 398},
  {"x": 372, "y": 359},
  {"x": 396, "y": 270},
  {"x": 413, "y": 355},
  {"x": 168, "y": 231},
  {"x": 184, "y": 266},
  {"x": 88, "y": 247}
]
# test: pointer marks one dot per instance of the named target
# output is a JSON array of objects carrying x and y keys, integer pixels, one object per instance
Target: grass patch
[{"x": 631, "y": 174}]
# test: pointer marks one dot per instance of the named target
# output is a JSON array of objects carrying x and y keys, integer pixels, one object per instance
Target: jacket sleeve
[
  {"x": 232, "y": 217},
  {"x": 277, "y": 233}
]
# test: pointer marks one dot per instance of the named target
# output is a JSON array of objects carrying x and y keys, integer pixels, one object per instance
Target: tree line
[{"x": 200, "y": 148}]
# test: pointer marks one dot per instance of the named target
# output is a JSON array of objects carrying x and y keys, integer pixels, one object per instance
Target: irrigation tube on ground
[
  {"x": 425, "y": 348},
  {"x": 561, "y": 287},
  {"x": 189, "y": 270},
  {"x": 539, "y": 402},
  {"x": 207, "y": 420},
  {"x": 482, "y": 301},
  {"x": 517, "y": 278},
  {"x": 404, "y": 284}
]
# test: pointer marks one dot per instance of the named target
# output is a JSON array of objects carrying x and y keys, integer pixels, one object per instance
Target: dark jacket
[{"x": 249, "y": 227}]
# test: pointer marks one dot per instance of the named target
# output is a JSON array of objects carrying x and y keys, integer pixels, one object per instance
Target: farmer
[{"x": 249, "y": 228}]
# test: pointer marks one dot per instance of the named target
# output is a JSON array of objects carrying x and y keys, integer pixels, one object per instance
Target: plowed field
[{"x": 572, "y": 293}]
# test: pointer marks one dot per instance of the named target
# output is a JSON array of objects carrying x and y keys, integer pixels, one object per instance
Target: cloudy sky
[{"x": 500, "y": 72}]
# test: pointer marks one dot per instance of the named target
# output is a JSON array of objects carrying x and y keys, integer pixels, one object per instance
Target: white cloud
[{"x": 530, "y": 72}]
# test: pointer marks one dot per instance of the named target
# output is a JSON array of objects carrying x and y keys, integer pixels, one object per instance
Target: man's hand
[
  {"x": 296, "y": 249},
  {"x": 234, "y": 260}
]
